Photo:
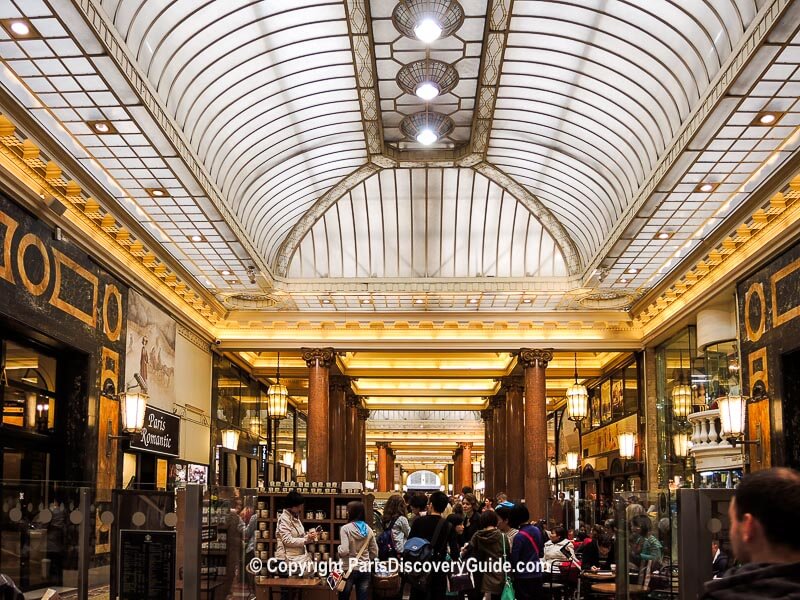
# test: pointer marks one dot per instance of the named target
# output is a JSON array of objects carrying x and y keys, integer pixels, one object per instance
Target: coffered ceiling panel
[
  {"x": 427, "y": 223},
  {"x": 265, "y": 93},
  {"x": 591, "y": 93}
]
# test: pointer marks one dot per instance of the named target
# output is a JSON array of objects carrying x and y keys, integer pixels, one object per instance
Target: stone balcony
[{"x": 711, "y": 452}]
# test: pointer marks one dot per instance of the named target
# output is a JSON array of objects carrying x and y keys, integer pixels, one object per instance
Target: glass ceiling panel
[
  {"x": 265, "y": 93},
  {"x": 427, "y": 223},
  {"x": 591, "y": 94}
]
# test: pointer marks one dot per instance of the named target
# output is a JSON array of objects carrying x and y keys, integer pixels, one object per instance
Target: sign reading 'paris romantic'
[{"x": 160, "y": 434}]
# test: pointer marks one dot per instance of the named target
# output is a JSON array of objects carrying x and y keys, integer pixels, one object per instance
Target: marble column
[
  {"x": 457, "y": 485},
  {"x": 499, "y": 405},
  {"x": 534, "y": 362},
  {"x": 488, "y": 452},
  {"x": 392, "y": 479},
  {"x": 466, "y": 464},
  {"x": 336, "y": 417},
  {"x": 383, "y": 466},
  {"x": 363, "y": 415},
  {"x": 514, "y": 438},
  {"x": 352, "y": 439},
  {"x": 319, "y": 361}
]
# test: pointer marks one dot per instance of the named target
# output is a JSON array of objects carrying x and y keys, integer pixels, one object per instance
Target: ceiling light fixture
[
  {"x": 325, "y": 301},
  {"x": 419, "y": 301},
  {"x": 706, "y": 187},
  {"x": 526, "y": 300},
  {"x": 767, "y": 119},
  {"x": 225, "y": 272},
  {"x": 197, "y": 238},
  {"x": 473, "y": 300},
  {"x": 157, "y": 192},
  {"x": 427, "y": 78},
  {"x": 624, "y": 280},
  {"x": 664, "y": 235},
  {"x": 366, "y": 301},
  {"x": 102, "y": 127},
  {"x": 427, "y": 20},
  {"x": 633, "y": 270},
  {"x": 20, "y": 28},
  {"x": 426, "y": 127}
]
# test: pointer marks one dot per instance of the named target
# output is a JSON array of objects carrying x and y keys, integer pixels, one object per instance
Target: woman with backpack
[
  {"x": 395, "y": 528},
  {"x": 488, "y": 545},
  {"x": 526, "y": 552},
  {"x": 358, "y": 542}
]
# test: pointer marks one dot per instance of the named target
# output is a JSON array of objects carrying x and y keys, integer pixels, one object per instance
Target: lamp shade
[
  {"x": 627, "y": 444},
  {"x": 732, "y": 414},
  {"x": 681, "y": 400},
  {"x": 577, "y": 402},
  {"x": 133, "y": 405},
  {"x": 277, "y": 401},
  {"x": 680, "y": 442},
  {"x": 371, "y": 466},
  {"x": 230, "y": 439},
  {"x": 476, "y": 467},
  {"x": 254, "y": 424},
  {"x": 572, "y": 461}
]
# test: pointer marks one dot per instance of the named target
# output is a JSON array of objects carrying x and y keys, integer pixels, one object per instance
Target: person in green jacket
[{"x": 489, "y": 544}]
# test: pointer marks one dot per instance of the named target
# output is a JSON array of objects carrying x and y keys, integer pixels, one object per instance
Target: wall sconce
[
  {"x": 230, "y": 439},
  {"x": 572, "y": 461},
  {"x": 732, "y": 417},
  {"x": 627, "y": 445},
  {"x": 132, "y": 406}
]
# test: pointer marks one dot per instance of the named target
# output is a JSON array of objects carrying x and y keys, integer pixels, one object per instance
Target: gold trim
[
  {"x": 55, "y": 300},
  {"x": 6, "y": 270},
  {"x": 757, "y": 289},
  {"x": 29, "y": 239},
  {"x": 780, "y": 319},
  {"x": 762, "y": 374},
  {"x": 112, "y": 291}
]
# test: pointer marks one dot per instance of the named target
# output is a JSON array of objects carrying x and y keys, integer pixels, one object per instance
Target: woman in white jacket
[
  {"x": 357, "y": 538},
  {"x": 290, "y": 534},
  {"x": 558, "y": 548}
]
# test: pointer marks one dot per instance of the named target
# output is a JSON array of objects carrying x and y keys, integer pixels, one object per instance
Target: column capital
[
  {"x": 499, "y": 401},
  {"x": 322, "y": 357},
  {"x": 535, "y": 357},
  {"x": 465, "y": 445},
  {"x": 363, "y": 414},
  {"x": 352, "y": 400},
  {"x": 340, "y": 383},
  {"x": 486, "y": 413},
  {"x": 513, "y": 384},
  {"x": 382, "y": 445}
]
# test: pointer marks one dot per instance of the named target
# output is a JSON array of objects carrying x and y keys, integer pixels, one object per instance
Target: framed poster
[
  {"x": 605, "y": 401},
  {"x": 631, "y": 393},
  {"x": 617, "y": 406},
  {"x": 595, "y": 404}
]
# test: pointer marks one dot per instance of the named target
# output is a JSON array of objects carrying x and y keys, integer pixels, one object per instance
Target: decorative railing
[{"x": 711, "y": 451}]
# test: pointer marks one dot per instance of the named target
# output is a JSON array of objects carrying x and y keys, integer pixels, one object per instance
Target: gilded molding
[
  {"x": 319, "y": 357},
  {"x": 191, "y": 337},
  {"x": 533, "y": 357}
]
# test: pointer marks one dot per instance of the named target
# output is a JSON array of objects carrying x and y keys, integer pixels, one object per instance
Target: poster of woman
[
  {"x": 605, "y": 401},
  {"x": 617, "y": 398}
]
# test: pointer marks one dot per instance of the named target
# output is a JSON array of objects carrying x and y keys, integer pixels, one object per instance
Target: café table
[{"x": 610, "y": 588}]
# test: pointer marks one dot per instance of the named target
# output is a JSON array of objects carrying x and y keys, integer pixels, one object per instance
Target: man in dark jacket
[
  {"x": 719, "y": 560},
  {"x": 764, "y": 537},
  {"x": 425, "y": 527}
]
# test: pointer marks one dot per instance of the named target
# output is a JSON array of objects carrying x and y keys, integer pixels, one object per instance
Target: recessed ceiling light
[
  {"x": 225, "y": 272},
  {"x": 767, "y": 118},
  {"x": 473, "y": 300},
  {"x": 623, "y": 280},
  {"x": 102, "y": 127},
  {"x": 20, "y": 28},
  {"x": 157, "y": 192},
  {"x": 419, "y": 301},
  {"x": 428, "y": 30},
  {"x": 427, "y": 90},
  {"x": 632, "y": 270},
  {"x": 706, "y": 187},
  {"x": 197, "y": 238},
  {"x": 326, "y": 301},
  {"x": 366, "y": 301},
  {"x": 664, "y": 235},
  {"x": 426, "y": 137}
]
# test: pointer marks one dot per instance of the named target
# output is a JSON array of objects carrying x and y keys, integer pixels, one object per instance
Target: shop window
[{"x": 28, "y": 388}]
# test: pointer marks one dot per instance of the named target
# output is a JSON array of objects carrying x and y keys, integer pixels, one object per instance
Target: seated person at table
[
  {"x": 558, "y": 548},
  {"x": 646, "y": 547},
  {"x": 599, "y": 554},
  {"x": 719, "y": 560}
]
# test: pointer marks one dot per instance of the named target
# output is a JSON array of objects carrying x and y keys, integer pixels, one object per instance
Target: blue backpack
[{"x": 386, "y": 547}]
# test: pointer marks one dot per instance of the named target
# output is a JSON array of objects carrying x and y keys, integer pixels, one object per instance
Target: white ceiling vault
[{"x": 582, "y": 132}]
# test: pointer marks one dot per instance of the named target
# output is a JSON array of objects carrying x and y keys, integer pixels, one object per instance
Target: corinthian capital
[
  {"x": 363, "y": 414},
  {"x": 322, "y": 357},
  {"x": 533, "y": 357}
]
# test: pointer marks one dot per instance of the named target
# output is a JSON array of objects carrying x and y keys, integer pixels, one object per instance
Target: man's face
[
  {"x": 296, "y": 511},
  {"x": 714, "y": 549},
  {"x": 603, "y": 551},
  {"x": 738, "y": 535}
]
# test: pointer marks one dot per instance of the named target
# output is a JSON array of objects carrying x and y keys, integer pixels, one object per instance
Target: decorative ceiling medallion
[
  {"x": 413, "y": 17},
  {"x": 416, "y": 125},
  {"x": 247, "y": 301},
  {"x": 428, "y": 71},
  {"x": 607, "y": 299}
]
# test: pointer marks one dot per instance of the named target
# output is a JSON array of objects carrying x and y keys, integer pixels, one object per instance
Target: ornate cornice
[
  {"x": 533, "y": 357},
  {"x": 318, "y": 357},
  {"x": 191, "y": 337}
]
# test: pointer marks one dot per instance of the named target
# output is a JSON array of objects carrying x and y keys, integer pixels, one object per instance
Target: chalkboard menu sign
[{"x": 146, "y": 565}]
